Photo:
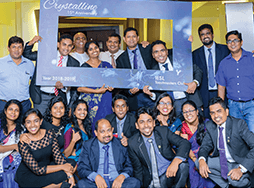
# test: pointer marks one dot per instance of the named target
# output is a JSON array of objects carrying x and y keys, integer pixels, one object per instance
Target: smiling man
[
  {"x": 104, "y": 162},
  {"x": 122, "y": 120},
  {"x": 208, "y": 58},
  {"x": 235, "y": 74},
  {"x": 113, "y": 44},
  {"x": 154, "y": 162},
  {"x": 226, "y": 153},
  {"x": 15, "y": 73}
]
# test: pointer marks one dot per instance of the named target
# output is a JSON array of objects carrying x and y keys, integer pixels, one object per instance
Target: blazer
[
  {"x": 34, "y": 90},
  {"x": 164, "y": 139},
  {"x": 90, "y": 154},
  {"x": 129, "y": 128},
  {"x": 198, "y": 56},
  {"x": 123, "y": 62},
  {"x": 197, "y": 75},
  {"x": 240, "y": 142}
]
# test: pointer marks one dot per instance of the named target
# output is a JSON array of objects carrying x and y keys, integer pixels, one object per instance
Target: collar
[
  {"x": 59, "y": 55},
  {"x": 223, "y": 125},
  {"x": 244, "y": 54},
  {"x": 9, "y": 59},
  {"x": 130, "y": 51},
  {"x": 145, "y": 138},
  {"x": 212, "y": 47},
  {"x": 121, "y": 121},
  {"x": 101, "y": 144}
]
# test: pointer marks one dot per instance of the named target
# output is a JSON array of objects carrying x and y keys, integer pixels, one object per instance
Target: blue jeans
[{"x": 243, "y": 110}]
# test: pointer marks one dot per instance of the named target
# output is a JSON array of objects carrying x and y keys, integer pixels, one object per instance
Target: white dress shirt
[
  {"x": 82, "y": 58},
  {"x": 106, "y": 56}
]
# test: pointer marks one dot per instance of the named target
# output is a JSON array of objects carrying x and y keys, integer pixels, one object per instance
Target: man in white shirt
[
  {"x": 79, "y": 41},
  {"x": 227, "y": 150},
  {"x": 113, "y": 44}
]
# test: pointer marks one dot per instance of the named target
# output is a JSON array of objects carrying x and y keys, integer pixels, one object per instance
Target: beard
[{"x": 207, "y": 43}]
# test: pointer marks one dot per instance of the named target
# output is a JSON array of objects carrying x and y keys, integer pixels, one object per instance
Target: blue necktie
[
  {"x": 169, "y": 92},
  {"x": 223, "y": 159},
  {"x": 106, "y": 165},
  {"x": 210, "y": 69},
  {"x": 135, "y": 59}
]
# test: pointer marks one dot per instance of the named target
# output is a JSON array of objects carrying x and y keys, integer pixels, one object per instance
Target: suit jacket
[
  {"x": 89, "y": 158},
  {"x": 129, "y": 128},
  {"x": 197, "y": 75},
  {"x": 198, "y": 55},
  {"x": 240, "y": 142},
  {"x": 34, "y": 90},
  {"x": 164, "y": 138},
  {"x": 123, "y": 62}
]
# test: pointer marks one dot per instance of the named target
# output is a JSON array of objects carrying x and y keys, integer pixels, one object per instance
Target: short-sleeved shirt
[
  {"x": 14, "y": 79},
  {"x": 237, "y": 76}
]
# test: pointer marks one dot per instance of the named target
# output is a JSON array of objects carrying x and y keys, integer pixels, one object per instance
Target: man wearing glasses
[{"x": 236, "y": 74}]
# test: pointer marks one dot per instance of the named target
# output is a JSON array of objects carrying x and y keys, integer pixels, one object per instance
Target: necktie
[
  {"x": 120, "y": 129},
  {"x": 113, "y": 61},
  {"x": 166, "y": 66},
  {"x": 135, "y": 59},
  {"x": 210, "y": 69},
  {"x": 60, "y": 64},
  {"x": 223, "y": 159},
  {"x": 156, "y": 180},
  {"x": 106, "y": 165}
]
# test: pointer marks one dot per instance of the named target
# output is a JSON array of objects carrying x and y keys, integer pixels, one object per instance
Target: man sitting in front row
[
  {"x": 122, "y": 120},
  {"x": 153, "y": 160},
  {"x": 232, "y": 147},
  {"x": 104, "y": 162}
]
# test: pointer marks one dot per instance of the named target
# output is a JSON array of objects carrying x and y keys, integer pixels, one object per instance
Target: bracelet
[{"x": 69, "y": 176}]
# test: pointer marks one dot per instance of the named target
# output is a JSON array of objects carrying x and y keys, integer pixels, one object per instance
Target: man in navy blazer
[
  {"x": 238, "y": 148},
  {"x": 200, "y": 58},
  {"x": 92, "y": 160},
  {"x": 144, "y": 61}
]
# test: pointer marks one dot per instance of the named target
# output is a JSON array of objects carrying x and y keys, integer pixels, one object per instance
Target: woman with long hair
[
  {"x": 78, "y": 130},
  {"x": 98, "y": 99},
  {"x": 42, "y": 163},
  {"x": 56, "y": 118},
  {"x": 164, "y": 113},
  {"x": 10, "y": 130},
  {"x": 193, "y": 129}
]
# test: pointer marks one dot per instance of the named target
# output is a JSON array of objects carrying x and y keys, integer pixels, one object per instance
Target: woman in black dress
[{"x": 35, "y": 169}]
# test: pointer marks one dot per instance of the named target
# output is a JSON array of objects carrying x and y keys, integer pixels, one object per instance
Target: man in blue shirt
[
  {"x": 154, "y": 162},
  {"x": 104, "y": 162},
  {"x": 236, "y": 74},
  {"x": 15, "y": 73}
]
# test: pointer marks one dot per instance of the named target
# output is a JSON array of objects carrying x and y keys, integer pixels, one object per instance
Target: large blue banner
[{"x": 180, "y": 12}]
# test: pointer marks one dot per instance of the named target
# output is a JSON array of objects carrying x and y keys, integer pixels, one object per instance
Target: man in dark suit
[
  {"x": 104, "y": 162},
  {"x": 227, "y": 150},
  {"x": 210, "y": 53},
  {"x": 154, "y": 162},
  {"x": 122, "y": 120},
  {"x": 163, "y": 58},
  {"x": 41, "y": 95},
  {"x": 135, "y": 57}
]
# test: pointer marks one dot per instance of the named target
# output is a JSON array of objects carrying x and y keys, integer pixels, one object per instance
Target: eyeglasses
[
  {"x": 165, "y": 103},
  {"x": 235, "y": 41},
  {"x": 78, "y": 38},
  {"x": 190, "y": 111}
]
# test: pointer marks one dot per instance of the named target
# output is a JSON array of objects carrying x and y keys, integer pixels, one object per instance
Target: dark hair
[
  {"x": 32, "y": 111},
  {"x": 18, "y": 121},
  {"x": 158, "y": 42},
  {"x": 201, "y": 127},
  {"x": 115, "y": 35},
  {"x": 88, "y": 44},
  {"x": 48, "y": 116},
  {"x": 144, "y": 110},
  {"x": 15, "y": 39},
  {"x": 119, "y": 96},
  {"x": 130, "y": 29},
  {"x": 205, "y": 26},
  {"x": 65, "y": 36},
  {"x": 218, "y": 100},
  {"x": 156, "y": 112},
  {"x": 235, "y": 32},
  {"x": 86, "y": 122},
  {"x": 97, "y": 123}
]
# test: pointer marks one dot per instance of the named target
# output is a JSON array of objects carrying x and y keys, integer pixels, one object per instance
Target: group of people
[{"x": 113, "y": 137}]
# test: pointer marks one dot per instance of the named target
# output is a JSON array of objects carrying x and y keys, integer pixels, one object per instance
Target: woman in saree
[
  {"x": 193, "y": 129},
  {"x": 98, "y": 99},
  {"x": 10, "y": 130}
]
